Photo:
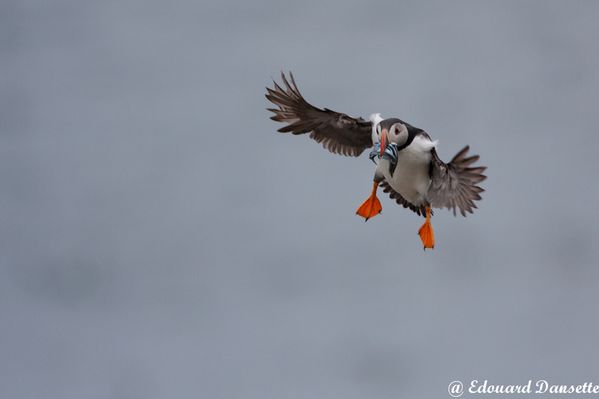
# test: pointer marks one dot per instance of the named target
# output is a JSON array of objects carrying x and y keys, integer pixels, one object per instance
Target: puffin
[{"x": 407, "y": 166}]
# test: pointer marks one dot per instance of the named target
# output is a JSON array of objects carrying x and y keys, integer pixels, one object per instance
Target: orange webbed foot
[
  {"x": 372, "y": 206},
  {"x": 426, "y": 231}
]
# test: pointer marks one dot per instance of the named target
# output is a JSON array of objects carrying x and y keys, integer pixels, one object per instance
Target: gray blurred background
[{"x": 160, "y": 240}]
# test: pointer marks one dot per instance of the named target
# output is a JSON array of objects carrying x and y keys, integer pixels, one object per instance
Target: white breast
[{"x": 411, "y": 176}]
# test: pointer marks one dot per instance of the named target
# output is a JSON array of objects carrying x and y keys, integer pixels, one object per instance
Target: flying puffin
[{"x": 407, "y": 165}]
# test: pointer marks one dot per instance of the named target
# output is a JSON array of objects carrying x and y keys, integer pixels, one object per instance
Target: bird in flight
[{"x": 407, "y": 165}]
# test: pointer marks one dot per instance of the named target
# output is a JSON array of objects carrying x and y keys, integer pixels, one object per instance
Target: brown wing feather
[
  {"x": 454, "y": 185},
  {"x": 337, "y": 132},
  {"x": 419, "y": 210}
]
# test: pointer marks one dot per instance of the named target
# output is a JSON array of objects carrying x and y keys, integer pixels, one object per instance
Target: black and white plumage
[
  {"x": 418, "y": 178},
  {"x": 408, "y": 166}
]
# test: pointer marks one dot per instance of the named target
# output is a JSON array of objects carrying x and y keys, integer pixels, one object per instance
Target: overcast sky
[{"x": 159, "y": 239}]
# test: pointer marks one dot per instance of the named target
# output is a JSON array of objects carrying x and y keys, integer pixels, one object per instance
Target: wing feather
[
  {"x": 337, "y": 132},
  {"x": 454, "y": 185}
]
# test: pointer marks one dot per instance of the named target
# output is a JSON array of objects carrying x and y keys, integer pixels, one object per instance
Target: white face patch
[
  {"x": 398, "y": 134},
  {"x": 375, "y": 119}
]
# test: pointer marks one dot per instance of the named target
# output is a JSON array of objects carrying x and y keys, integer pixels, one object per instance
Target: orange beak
[{"x": 383, "y": 141}]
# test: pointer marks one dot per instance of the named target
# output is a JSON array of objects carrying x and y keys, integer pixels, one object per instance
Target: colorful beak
[{"x": 383, "y": 141}]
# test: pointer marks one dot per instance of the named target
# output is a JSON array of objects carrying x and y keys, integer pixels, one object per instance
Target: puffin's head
[{"x": 394, "y": 131}]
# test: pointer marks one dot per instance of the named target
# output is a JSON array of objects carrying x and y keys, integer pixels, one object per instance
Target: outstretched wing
[
  {"x": 419, "y": 210},
  {"x": 337, "y": 132},
  {"x": 454, "y": 185}
]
